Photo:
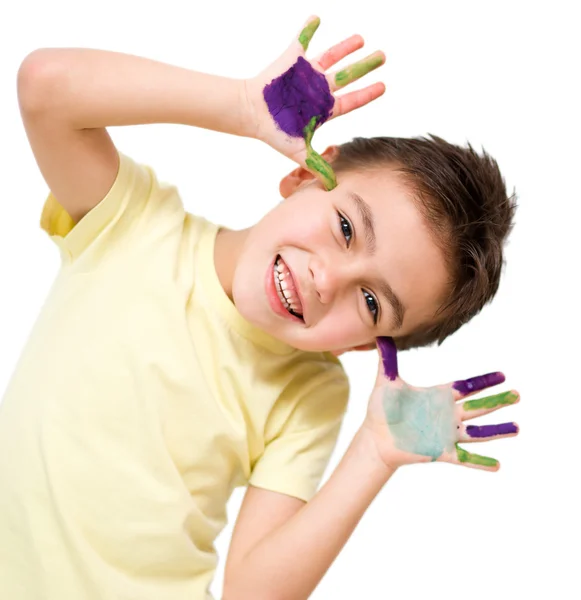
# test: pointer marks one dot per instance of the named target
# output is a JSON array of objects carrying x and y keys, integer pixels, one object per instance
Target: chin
[
  {"x": 248, "y": 304},
  {"x": 245, "y": 304}
]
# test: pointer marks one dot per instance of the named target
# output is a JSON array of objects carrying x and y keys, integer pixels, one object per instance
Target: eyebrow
[{"x": 366, "y": 216}]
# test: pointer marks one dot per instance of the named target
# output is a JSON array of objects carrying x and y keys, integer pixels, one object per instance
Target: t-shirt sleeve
[
  {"x": 136, "y": 213},
  {"x": 295, "y": 459}
]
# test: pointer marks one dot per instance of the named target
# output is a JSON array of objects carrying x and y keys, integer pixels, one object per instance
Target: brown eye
[{"x": 346, "y": 229}]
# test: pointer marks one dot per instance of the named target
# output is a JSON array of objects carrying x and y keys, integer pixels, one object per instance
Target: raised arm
[
  {"x": 404, "y": 425},
  {"x": 68, "y": 96},
  {"x": 98, "y": 88},
  {"x": 289, "y": 562}
]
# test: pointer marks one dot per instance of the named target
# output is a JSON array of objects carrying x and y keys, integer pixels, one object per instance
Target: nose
[{"x": 329, "y": 278}]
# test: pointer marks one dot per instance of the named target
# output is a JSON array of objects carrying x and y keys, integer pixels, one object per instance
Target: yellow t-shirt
[{"x": 142, "y": 398}]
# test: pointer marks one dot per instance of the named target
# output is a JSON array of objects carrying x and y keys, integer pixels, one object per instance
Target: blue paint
[{"x": 421, "y": 421}]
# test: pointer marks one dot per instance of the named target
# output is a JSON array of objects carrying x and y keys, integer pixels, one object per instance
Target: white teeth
[{"x": 288, "y": 297}]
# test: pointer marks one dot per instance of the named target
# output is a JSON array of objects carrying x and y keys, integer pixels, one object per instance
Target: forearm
[
  {"x": 289, "y": 563},
  {"x": 98, "y": 88}
]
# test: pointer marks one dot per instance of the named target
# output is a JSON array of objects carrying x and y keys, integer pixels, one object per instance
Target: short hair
[{"x": 462, "y": 197}]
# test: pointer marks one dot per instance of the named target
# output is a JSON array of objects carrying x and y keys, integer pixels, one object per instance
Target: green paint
[
  {"x": 491, "y": 401},
  {"x": 309, "y": 131},
  {"x": 308, "y": 32},
  {"x": 421, "y": 421},
  {"x": 475, "y": 459},
  {"x": 357, "y": 70},
  {"x": 315, "y": 161}
]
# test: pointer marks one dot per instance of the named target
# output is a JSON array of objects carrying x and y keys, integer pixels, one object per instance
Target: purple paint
[
  {"x": 388, "y": 351},
  {"x": 475, "y": 384},
  {"x": 486, "y": 431},
  {"x": 297, "y": 96}
]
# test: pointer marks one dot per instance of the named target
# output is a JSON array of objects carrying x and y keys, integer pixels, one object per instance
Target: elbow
[{"x": 34, "y": 72}]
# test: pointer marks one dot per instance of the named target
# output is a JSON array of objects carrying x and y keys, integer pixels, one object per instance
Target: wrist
[
  {"x": 365, "y": 446},
  {"x": 248, "y": 118}
]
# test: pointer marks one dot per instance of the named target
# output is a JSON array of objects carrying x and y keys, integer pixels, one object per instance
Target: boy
[{"x": 175, "y": 360}]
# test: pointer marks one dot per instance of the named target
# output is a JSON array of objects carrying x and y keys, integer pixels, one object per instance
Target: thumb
[
  {"x": 308, "y": 31},
  {"x": 387, "y": 368}
]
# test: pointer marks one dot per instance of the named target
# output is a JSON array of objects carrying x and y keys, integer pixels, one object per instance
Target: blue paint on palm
[{"x": 421, "y": 421}]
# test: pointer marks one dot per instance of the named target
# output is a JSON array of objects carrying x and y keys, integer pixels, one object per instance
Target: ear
[
  {"x": 370, "y": 346},
  {"x": 301, "y": 176}
]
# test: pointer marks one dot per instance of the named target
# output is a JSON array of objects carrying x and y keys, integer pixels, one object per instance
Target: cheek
[
  {"x": 302, "y": 223},
  {"x": 342, "y": 327}
]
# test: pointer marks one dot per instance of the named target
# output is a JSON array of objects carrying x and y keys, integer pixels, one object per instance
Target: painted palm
[
  {"x": 294, "y": 96},
  {"x": 413, "y": 424}
]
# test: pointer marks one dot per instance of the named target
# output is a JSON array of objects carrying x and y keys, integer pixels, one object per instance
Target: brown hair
[{"x": 463, "y": 198}]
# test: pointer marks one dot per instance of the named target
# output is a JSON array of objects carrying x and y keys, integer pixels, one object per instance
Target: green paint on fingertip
[
  {"x": 354, "y": 72},
  {"x": 475, "y": 459},
  {"x": 503, "y": 399},
  {"x": 315, "y": 161},
  {"x": 308, "y": 32}
]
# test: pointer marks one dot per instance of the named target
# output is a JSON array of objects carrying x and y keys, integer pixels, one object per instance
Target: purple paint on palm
[
  {"x": 475, "y": 384},
  {"x": 485, "y": 431},
  {"x": 297, "y": 96},
  {"x": 388, "y": 351}
]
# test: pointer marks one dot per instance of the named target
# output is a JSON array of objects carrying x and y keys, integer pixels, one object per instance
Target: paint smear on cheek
[
  {"x": 421, "y": 421},
  {"x": 297, "y": 96}
]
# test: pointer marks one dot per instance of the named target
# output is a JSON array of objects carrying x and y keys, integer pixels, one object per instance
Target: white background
[{"x": 501, "y": 75}]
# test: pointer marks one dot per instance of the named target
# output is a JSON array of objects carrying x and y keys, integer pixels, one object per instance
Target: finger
[
  {"x": 308, "y": 31},
  {"x": 466, "y": 387},
  {"x": 388, "y": 354},
  {"x": 338, "y": 52},
  {"x": 476, "y": 461},
  {"x": 470, "y": 409},
  {"x": 484, "y": 433},
  {"x": 321, "y": 169},
  {"x": 348, "y": 102},
  {"x": 353, "y": 72},
  {"x": 316, "y": 164}
]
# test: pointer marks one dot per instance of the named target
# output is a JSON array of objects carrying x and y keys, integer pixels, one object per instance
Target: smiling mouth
[{"x": 286, "y": 288}]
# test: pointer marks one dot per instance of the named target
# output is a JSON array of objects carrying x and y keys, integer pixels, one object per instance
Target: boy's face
[{"x": 344, "y": 287}]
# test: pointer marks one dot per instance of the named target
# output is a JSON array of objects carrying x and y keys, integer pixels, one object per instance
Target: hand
[
  {"x": 412, "y": 425},
  {"x": 293, "y": 96}
]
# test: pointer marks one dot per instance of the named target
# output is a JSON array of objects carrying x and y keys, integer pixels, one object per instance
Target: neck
[{"x": 227, "y": 249}]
